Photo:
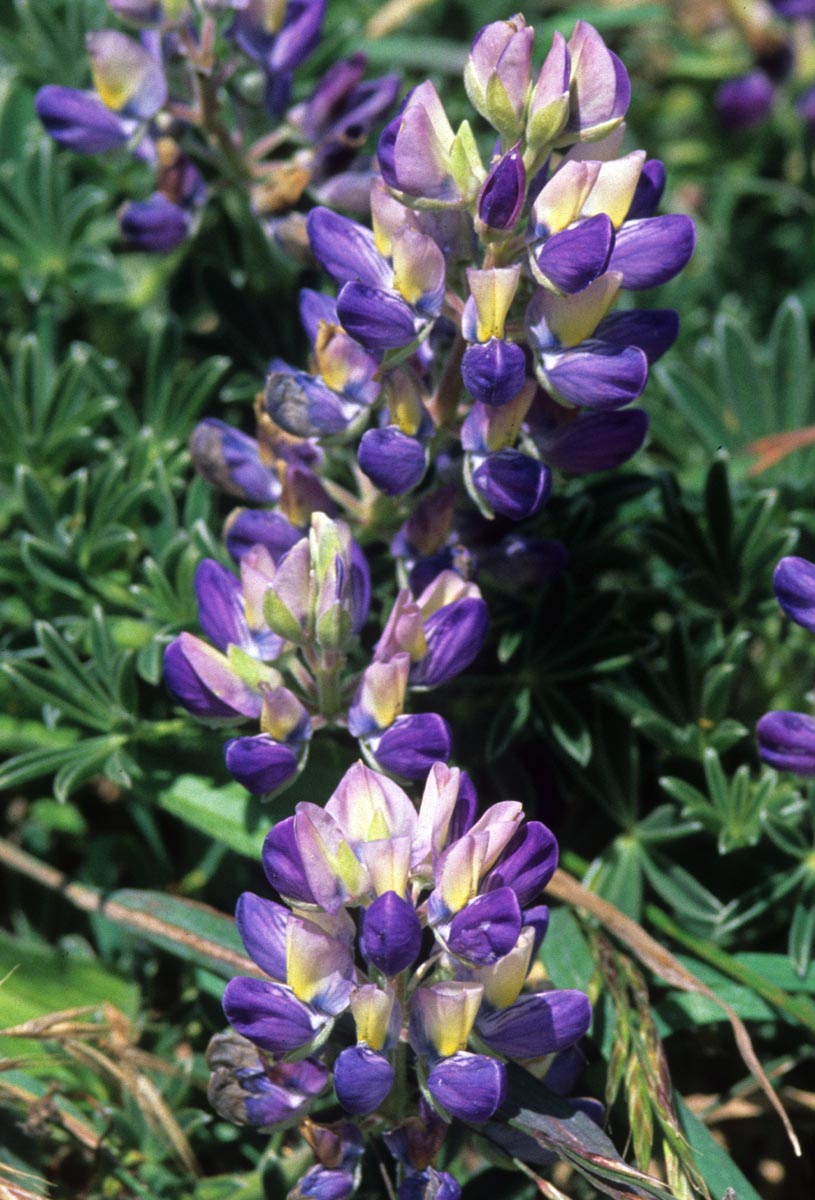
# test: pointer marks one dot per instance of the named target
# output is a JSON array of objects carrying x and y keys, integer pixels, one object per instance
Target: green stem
[{"x": 329, "y": 692}]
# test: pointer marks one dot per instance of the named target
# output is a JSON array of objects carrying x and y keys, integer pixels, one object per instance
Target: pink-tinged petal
[
  {"x": 600, "y": 87},
  {"x": 127, "y": 78},
  {"x": 468, "y": 1086},
  {"x": 201, "y": 679},
  {"x": 367, "y": 806},
  {"x": 270, "y": 1015},
  {"x": 335, "y": 876}
]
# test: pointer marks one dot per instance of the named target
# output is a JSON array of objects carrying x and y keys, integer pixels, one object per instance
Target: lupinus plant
[
  {"x": 406, "y": 1016},
  {"x": 360, "y": 995},
  {"x": 192, "y": 92},
  {"x": 298, "y": 607},
  {"x": 474, "y": 322}
]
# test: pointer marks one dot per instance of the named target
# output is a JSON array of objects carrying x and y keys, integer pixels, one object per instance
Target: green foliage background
[{"x": 618, "y": 704}]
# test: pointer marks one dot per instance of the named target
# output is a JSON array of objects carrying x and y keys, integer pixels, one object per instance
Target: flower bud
[
  {"x": 498, "y": 73},
  {"x": 501, "y": 199},
  {"x": 745, "y": 102},
  {"x": 794, "y": 587},
  {"x": 391, "y": 934},
  {"x": 786, "y": 740},
  {"x": 155, "y": 225}
]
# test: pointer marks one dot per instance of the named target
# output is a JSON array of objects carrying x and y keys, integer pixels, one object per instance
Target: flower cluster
[
  {"x": 161, "y": 95},
  {"x": 395, "y": 966},
  {"x": 475, "y": 319},
  {"x": 295, "y": 611},
  {"x": 786, "y": 740},
  {"x": 770, "y": 32}
]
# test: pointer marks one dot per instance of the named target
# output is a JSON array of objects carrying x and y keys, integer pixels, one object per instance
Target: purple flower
[
  {"x": 786, "y": 740},
  {"x": 650, "y": 251},
  {"x": 745, "y": 102},
  {"x": 498, "y": 73},
  {"x": 362, "y": 1079},
  {"x": 201, "y": 679},
  {"x": 468, "y": 1086},
  {"x": 411, "y": 744},
  {"x": 391, "y": 934},
  {"x": 394, "y": 461},
  {"x": 501, "y": 198},
  {"x": 794, "y": 587},
  {"x": 512, "y": 483},
  {"x": 249, "y": 527},
  {"x": 248, "y": 1089},
  {"x": 600, "y": 87},
  {"x": 494, "y": 371},
  {"x": 536, "y": 1025},
  {"x": 260, "y": 764},
  {"x": 80, "y": 121},
  {"x": 155, "y": 225},
  {"x": 230, "y": 460}
]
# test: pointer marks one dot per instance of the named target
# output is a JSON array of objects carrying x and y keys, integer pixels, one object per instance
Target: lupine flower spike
[{"x": 350, "y": 987}]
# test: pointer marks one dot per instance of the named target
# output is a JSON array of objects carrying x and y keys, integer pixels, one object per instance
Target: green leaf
[
  {"x": 226, "y": 812},
  {"x": 48, "y": 979},
  {"x": 717, "y": 1167},
  {"x": 189, "y": 930},
  {"x": 534, "y": 1124},
  {"x": 565, "y": 953}
]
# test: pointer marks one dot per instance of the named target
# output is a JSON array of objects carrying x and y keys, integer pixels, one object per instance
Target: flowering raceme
[
  {"x": 475, "y": 320},
  {"x": 200, "y": 48},
  {"x": 396, "y": 963},
  {"x": 296, "y": 612}
]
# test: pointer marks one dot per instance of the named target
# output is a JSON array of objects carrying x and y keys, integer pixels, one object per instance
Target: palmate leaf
[
  {"x": 53, "y": 233},
  {"x": 742, "y": 389},
  {"x": 52, "y": 411},
  {"x": 534, "y": 1126}
]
